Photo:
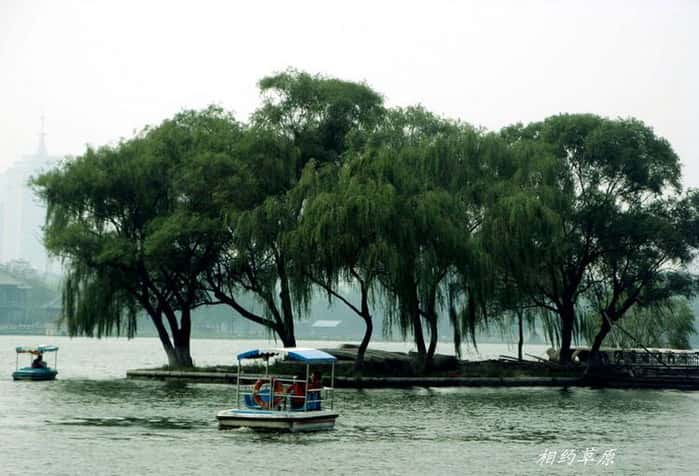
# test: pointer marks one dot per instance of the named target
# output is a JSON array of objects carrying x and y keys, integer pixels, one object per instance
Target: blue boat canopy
[
  {"x": 39, "y": 349},
  {"x": 306, "y": 355}
]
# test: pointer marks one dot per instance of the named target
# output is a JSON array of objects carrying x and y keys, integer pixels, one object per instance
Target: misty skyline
[{"x": 100, "y": 71}]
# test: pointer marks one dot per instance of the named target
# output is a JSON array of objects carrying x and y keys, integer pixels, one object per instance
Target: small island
[
  {"x": 384, "y": 369},
  {"x": 575, "y": 225}
]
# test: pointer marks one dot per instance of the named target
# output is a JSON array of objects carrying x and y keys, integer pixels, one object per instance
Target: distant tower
[
  {"x": 23, "y": 214},
  {"x": 41, "y": 151}
]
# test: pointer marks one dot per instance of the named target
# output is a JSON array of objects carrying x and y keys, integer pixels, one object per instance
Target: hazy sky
[{"x": 100, "y": 70}]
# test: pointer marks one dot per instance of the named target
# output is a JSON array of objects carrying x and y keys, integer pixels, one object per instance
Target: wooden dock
[{"x": 190, "y": 376}]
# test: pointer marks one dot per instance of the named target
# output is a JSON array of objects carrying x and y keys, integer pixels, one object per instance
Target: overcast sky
[{"x": 99, "y": 70}]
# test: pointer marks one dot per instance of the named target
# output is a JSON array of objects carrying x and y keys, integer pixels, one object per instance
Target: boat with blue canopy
[
  {"x": 38, "y": 369},
  {"x": 283, "y": 402}
]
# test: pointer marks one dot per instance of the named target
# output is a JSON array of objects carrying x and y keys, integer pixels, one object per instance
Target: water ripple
[{"x": 154, "y": 423}]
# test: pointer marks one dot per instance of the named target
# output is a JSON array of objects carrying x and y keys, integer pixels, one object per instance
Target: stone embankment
[{"x": 384, "y": 369}]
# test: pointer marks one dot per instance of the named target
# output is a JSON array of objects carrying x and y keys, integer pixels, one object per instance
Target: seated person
[
  {"x": 38, "y": 362},
  {"x": 314, "y": 386},
  {"x": 297, "y": 390},
  {"x": 315, "y": 380}
]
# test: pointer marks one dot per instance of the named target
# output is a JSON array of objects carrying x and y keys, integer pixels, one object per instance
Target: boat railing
[
  {"x": 289, "y": 393},
  {"x": 255, "y": 377}
]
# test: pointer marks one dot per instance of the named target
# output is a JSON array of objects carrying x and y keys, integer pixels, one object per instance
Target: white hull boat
[
  {"x": 283, "y": 402},
  {"x": 277, "y": 420}
]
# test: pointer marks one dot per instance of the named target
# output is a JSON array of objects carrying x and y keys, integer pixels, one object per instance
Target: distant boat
[
  {"x": 283, "y": 403},
  {"x": 38, "y": 369}
]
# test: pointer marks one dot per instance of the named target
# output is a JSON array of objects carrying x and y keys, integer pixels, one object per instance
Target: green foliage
[
  {"x": 555, "y": 222},
  {"x": 118, "y": 216},
  {"x": 430, "y": 169},
  {"x": 303, "y": 123},
  {"x": 665, "y": 324},
  {"x": 317, "y": 113},
  {"x": 93, "y": 306},
  {"x": 604, "y": 199}
]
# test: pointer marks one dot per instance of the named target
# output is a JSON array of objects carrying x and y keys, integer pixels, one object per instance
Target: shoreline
[
  {"x": 207, "y": 376},
  {"x": 656, "y": 383},
  {"x": 385, "y": 369}
]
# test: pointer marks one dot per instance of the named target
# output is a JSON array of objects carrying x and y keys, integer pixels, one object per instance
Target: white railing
[{"x": 289, "y": 393}]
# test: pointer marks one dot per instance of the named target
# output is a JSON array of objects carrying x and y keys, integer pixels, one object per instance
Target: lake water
[{"x": 94, "y": 421}]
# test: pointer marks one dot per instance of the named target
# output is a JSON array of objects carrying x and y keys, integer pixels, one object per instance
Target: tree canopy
[
  {"x": 118, "y": 216},
  {"x": 571, "y": 223},
  {"x": 608, "y": 175}
]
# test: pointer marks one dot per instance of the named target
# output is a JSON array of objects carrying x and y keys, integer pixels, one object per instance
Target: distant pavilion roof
[{"x": 322, "y": 323}]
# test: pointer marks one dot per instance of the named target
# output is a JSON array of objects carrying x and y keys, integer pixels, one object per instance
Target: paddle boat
[
  {"x": 283, "y": 402},
  {"x": 38, "y": 370}
]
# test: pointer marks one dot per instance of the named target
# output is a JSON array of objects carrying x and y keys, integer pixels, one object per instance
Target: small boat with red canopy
[{"x": 283, "y": 402}]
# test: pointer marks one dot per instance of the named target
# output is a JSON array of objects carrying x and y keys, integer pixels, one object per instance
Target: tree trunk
[
  {"x": 567, "y": 315},
  {"x": 419, "y": 337},
  {"x": 431, "y": 317},
  {"x": 599, "y": 338},
  {"x": 181, "y": 339},
  {"x": 416, "y": 319},
  {"x": 288, "y": 338},
  {"x": 157, "y": 319},
  {"x": 359, "y": 361},
  {"x": 177, "y": 349},
  {"x": 520, "y": 343},
  {"x": 178, "y": 354},
  {"x": 181, "y": 357},
  {"x": 432, "y": 320}
]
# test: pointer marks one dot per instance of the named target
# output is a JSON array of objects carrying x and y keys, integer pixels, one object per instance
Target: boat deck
[{"x": 293, "y": 421}]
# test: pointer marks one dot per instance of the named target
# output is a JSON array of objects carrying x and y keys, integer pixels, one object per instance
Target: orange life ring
[
  {"x": 297, "y": 390},
  {"x": 277, "y": 391}
]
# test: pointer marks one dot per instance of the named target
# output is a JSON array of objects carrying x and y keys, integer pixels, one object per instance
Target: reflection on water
[{"x": 89, "y": 423}]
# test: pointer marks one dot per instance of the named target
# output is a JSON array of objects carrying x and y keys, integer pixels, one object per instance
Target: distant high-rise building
[{"x": 21, "y": 213}]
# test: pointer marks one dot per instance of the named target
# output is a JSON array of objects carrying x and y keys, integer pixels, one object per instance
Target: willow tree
[
  {"x": 118, "y": 218},
  {"x": 601, "y": 165},
  {"x": 426, "y": 162},
  {"x": 647, "y": 248},
  {"x": 303, "y": 118},
  {"x": 667, "y": 323},
  {"x": 244, "y": 193},
  {"x": 517, "y": 230},
  {"x": 341, "y": 237},
  {"x": 319, "y": 114}
]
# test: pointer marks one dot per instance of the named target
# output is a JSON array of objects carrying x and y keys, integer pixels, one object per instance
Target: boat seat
[{"x": 313, "y": 401}]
